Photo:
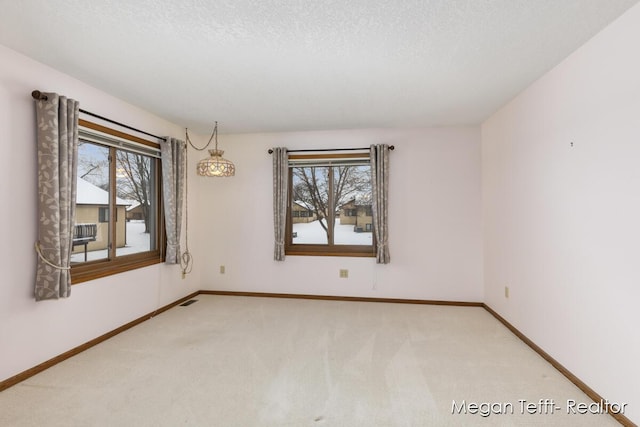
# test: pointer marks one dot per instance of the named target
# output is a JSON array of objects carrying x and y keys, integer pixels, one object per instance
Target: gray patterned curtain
[
  {"x": 173, "y": 153},
  {"x": 380, "y": 186},
  {"x": 57, "y": 142},
  {"x": 280, "y": 188}
]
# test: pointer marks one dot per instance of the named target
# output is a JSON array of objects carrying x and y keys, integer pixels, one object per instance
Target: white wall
[
  {"x": 562, "y": 223},
  {"x": 31, "y": 332},
  {"x": 435, "y": 225}
]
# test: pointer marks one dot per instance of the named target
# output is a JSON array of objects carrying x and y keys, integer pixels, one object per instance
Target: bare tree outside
[
  {"x": 93, "y": 164},
  {"x": 133, "y": 174},
  {"x": 133, "y": 181},
  {"x": 311, "y": 186}
]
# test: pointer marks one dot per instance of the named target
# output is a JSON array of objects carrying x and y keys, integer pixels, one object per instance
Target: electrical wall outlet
[
  {"x": 222, "y": 269},
  {"x": 344, "y": 273},
  {"x": 506, "y": 292}
]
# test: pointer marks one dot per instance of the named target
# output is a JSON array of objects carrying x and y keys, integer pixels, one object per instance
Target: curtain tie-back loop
[{"x": 39, "y": 251}]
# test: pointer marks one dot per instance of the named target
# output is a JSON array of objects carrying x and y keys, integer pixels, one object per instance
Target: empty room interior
[{"x": 421, "y": 213}]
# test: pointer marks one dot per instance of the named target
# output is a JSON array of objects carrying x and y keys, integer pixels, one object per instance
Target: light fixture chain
[{"x": 213, "y": 134}]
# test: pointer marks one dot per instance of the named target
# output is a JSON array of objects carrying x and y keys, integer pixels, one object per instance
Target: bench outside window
[{"x": 83, "y": 234}]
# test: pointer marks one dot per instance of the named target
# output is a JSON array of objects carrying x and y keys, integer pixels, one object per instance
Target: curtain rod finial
[
  {"x": 37, "y": 95},
  {"x": 270, "y": 151}
]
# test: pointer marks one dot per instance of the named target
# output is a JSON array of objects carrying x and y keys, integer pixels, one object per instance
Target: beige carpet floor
[{"x": 247, "y": 361}]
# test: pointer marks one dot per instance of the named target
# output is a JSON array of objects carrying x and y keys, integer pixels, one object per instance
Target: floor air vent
[{"x": 191, "y": 301}]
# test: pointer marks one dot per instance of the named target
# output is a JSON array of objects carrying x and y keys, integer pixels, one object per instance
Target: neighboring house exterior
[
  {"x": 302, "y": 212},
  {"x": 357, "y": 212},
  {"x": 92, "y": 207},
  {"x": 134, "y": 211}
]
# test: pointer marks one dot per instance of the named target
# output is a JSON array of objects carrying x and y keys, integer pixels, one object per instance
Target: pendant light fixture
[{"x": 215, "y": 165}]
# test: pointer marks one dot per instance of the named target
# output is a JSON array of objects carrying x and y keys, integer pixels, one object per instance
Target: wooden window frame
[
  {"x": 328, "y": 249},
  {"x": 119, "y": 264}
]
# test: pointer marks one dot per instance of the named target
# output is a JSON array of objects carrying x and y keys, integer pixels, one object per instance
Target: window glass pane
[
  {"x": 310, "y": 199},
  {"x": 136, "y": 206},
  {"x": 352, "y": 193},
  {"x": 91, "y": 230}
]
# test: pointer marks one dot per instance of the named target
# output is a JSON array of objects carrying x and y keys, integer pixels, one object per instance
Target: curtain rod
[
  {"x": 37, "y": 95},
  {"x": 270, "y": 151}
]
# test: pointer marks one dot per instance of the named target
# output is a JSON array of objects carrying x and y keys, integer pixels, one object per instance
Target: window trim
[
  {"x": 91, "y": 270},
  {"x": 290, "y": 248}
]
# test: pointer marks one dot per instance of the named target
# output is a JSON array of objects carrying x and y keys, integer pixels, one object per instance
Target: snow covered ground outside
[
  {"x": 312, "y": 232},
  {"x": 137, "y": 241}
]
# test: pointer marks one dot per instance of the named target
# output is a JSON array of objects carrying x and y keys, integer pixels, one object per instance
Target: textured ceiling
[{"x": 269, "y": 65}]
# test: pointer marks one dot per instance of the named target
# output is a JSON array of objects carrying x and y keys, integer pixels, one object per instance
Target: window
[
  {"x": 333, "y": 189},
  {"x": 119, "y": 223},
  {"x": 103, "y": 214}
]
